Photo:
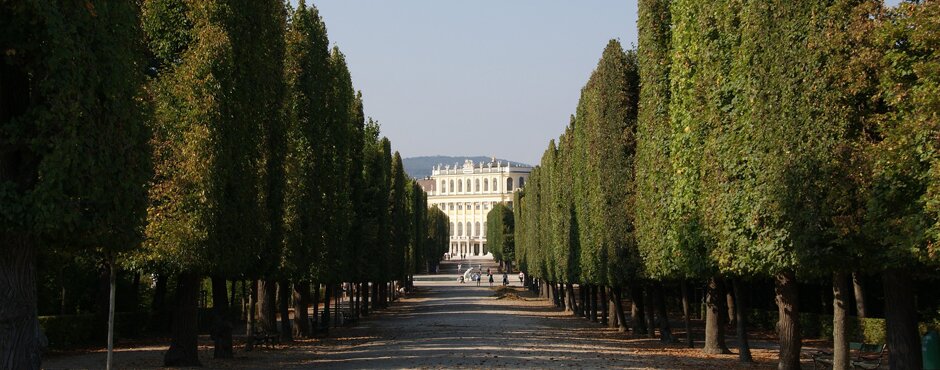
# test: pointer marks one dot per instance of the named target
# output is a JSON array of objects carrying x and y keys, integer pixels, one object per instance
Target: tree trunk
[
  {"x": 605, "y": 304},
  {"x": 618, "y": 308},
  {"x": 365, "y": 298},
  {"x": 267, "y": 304},
  {"x": 840, "y": 343},
  {"x": 316, "y": 306},
  {"x": 283, "y": 305},
  {"x": 650, "y": 310},
  {"x": 101, "y": 298},
  {"x": 357, "y": 311},
  {"x": 614, "y": 320},
  {"x": 112, "y": 284},
  {"x": 301, "y": 305},
  {"x": 687, "y": 315},
  {"x": 744, "y": 348},
  {"x": 570, "y": 302},
  {"x": 901, "y": 321},
  {"x": 788, "y": 326},
  {"x": 714, "y": 318},
  {"x": 325, "y": 318},
  {"x": 233, "y": 306},
  {"x": 375, "y": 296},
  {"x": 158, "y": 305},
  {"x": 580, "y": 306},
  {"x": 729, "y": 304},
  {"x": 184, "y": 346},
  {"x": 352, "y": 297},
  {"x": 553, "y": 293},
  {"x": 593, "y": 291},
  {"x": 62, "y": 301},
  {"x": 221, "y": 323},
  {"x": 637, "y": 316},
  {"x": 556, "y": 295},
  {"x": 250, "y": 312},
  {"x": 20, "y": 336},
  {"x": 665, "y": 330},
  {"x": 859, "y": 295}
]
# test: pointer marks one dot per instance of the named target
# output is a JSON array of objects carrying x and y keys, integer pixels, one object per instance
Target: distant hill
[{"x": 420, "y": 167}]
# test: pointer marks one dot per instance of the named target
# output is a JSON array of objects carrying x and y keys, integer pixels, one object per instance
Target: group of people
[
  {"x": 449, "y": 256},
  {"x": 477, "y": 275}
]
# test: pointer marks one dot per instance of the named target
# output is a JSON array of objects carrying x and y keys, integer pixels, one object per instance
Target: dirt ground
[{"x": 447, "y": 325}]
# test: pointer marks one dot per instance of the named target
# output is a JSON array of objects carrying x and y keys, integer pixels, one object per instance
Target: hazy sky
[{"x": 482, "y": 77}]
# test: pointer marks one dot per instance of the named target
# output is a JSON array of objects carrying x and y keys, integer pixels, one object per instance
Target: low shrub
[{"x": 64, "y": 331}]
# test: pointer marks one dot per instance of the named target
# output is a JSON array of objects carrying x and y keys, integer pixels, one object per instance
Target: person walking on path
[
  {"x": 521, "y": 277},
  {"x": 476, "y": 277},
  {"x": 491, "y": 278},
  {"x": 505, "y": 279}
]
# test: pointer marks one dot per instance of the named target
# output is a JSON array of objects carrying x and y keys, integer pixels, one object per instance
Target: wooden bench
[{"x": 866, "y": 356}]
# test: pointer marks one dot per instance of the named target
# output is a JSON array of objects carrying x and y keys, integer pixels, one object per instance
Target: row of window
[
  {"x": 457, "y": 186},
  {"x": 476, "y": 229},
  {"x": 461, "y": 206}
]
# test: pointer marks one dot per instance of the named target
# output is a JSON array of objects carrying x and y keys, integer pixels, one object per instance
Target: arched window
[
  {"x": 451, "y": 186},
  {"x": 459, "y": 229},
  {"x": 477, "y": 187},
  {"x": 509, "y": 184},
  {"x": 476, "y": 229},
  {"x": 521, "y": 182},
  {"x": 451, "y": 229},
  {"x": 468, "y": 186},
  {"x": 486, "y": 184},
  {"x": 495, "y": 185},
  {"x": 469, "y": 225},
  {"x": 459, "y": 186},
  {"x": 443, "y": 186}
]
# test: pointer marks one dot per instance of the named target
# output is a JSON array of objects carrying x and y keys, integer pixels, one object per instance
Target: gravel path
[{"x": 449, "y": 325}]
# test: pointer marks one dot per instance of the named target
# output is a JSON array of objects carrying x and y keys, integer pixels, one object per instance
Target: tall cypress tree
[
  {"x": 438, "y": 236},
  {"x": 398, "y": 220},
  {"x": 217, "y": 205},
  {"x": 902, "y": 216},
  {"x": 74, "y": 156},
  {"x": 500, "y": 233},
  {"x": 307, "y": 74},
  {"x": 374, "y": 212},
  {"x": 701, "y": 38}
]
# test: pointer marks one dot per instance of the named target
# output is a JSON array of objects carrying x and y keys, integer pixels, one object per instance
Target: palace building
[{"x": 467, "y": 193}]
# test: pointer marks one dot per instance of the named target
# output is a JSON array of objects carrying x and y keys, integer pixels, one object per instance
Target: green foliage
[
  {"x": 903, "y": 208},
  {"x": 375, "y": 214},
  {"x": 307, "y": 76},
  {"x": 418, "y": 256},
  {"x": 580, "y": 228},
  {"x": 67, "y": 331},
  {"x": 565, "y": 238},
  {"x": 399, "y": 220},
  {"x": 500, "y": 233},
  {"x": 216, "y": 206},
  {"x": 438, "y": 236},
  {"x": 814, "y": 325},
  {"x": 662, "y": 255},
  {"x": 75, "y": 156}
]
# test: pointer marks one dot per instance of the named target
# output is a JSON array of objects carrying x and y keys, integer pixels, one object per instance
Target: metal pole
[{"x": 113, "y": 283}]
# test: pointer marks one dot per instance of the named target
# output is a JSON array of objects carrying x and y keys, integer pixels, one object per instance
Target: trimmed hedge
[
  {"x": 814, "y": 325},
  {"x": 65, "y": 331}
]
